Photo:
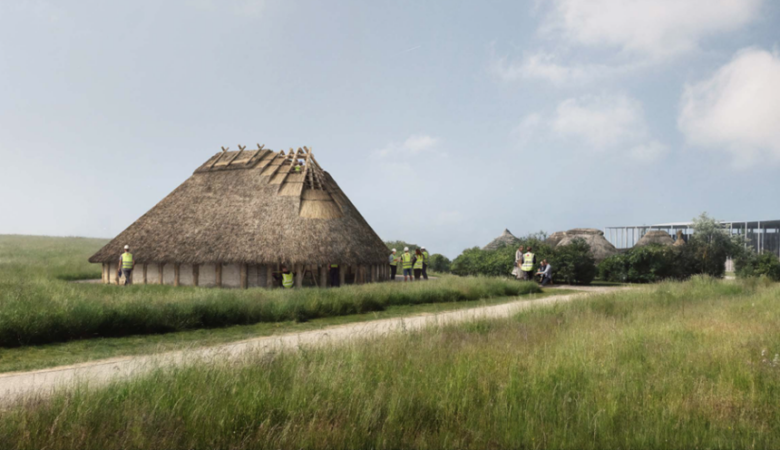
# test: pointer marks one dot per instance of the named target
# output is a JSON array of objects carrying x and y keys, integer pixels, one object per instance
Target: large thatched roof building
[{"x": 240, "y": 216}]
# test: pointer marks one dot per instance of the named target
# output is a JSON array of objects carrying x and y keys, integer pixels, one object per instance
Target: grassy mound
[{"x": 690, "y": 365}]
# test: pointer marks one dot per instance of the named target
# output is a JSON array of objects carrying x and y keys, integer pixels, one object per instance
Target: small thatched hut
[
  {"x": 506, "y": 238},
  {"x": 600, "y": 247},
  {"x": 655, "y": 237},
  {"x": 242, "y": 215}
]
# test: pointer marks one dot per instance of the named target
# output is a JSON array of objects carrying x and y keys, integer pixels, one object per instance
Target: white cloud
[
  {"x": 655, "y": 28},
  {"x": 414, "y": 144},
  {"x": 600, "y": 124},
  {"x": 634, "y": 34},
  {"x": 603, "y": 122},
  {"x": 737, "y": 109},
  {"x": 547, "y": 66}
]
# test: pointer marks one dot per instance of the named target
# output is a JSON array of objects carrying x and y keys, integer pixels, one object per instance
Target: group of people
[
  {"x": 416, "y": 263},
  {"x": 525, "y": 263}
]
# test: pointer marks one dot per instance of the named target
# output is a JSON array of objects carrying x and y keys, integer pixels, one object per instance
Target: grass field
[
  {"x": 39, "y": 306},
  {"x": 675, "y": 365}
]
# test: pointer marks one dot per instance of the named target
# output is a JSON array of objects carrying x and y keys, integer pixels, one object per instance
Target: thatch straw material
[
  {"x": 679, "y": 241},
  {"x": 506, "y": 238},
  {"x": 655, "y": 237},
  {"x": 250, "y": 207},
  {"x": 600, "y": 247}
]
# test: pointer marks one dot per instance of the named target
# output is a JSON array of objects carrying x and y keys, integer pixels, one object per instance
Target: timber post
[
  {"x": 145, "y": 280},
  {"x": 195, "y": 274},
  {"x": 243, "y": 276},
  {"x": 269, "y": 280},
  {"x": 299, "y": 276},
  {"x": 176, "y": 268},
  {"x": 218, "y": 274},
  {"x": 160, "y": 279}
]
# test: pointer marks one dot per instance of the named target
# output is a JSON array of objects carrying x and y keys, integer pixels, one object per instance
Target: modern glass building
[{"x": 762, "y": 235}]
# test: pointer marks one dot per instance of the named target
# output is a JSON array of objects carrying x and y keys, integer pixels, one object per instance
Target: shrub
[
  {"x": 573, "y": 263},
  {"x": 498, "y": 262},
  {"x": 439, "y": 263},
  {"x": 570, "y": 264},
  {"x": 754, "y": 265}
]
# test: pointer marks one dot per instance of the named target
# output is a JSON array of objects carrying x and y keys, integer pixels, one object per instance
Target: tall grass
[
  {"x": 38, "y": 308},
  {"x": 687, "y": 365}
]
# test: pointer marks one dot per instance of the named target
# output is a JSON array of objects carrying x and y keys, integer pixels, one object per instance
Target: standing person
[
  {"x": 426, "y": 258},
  {"x": 419, "y": 260},
  {"x": 406, "y": 260},
  {"x": 518, "y": 262},
  {"x": 393, "y": 265},
  {"x": 527, "y": 266},
  {"x": 545, "y": 270},
  {"x": 288, "y": 281},
  {"x": 126, "y": 266},
  {"x": 335, "y": 280}
]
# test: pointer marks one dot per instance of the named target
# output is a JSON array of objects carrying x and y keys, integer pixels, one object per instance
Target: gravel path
[{"x": 15, "y": 385}]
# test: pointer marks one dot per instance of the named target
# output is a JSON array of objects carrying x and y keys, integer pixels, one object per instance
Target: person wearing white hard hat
[
  {"x": 393, "y": 265},
  {"x": 126, "y": 266},
  {"x": 406, "y": 259},
  {"x": 426, "y": 259}
]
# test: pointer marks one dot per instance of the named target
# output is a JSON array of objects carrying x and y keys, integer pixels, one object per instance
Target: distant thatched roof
[
  {"x": 655, "y": 237},
  {"x": 600, "y": 247},
  {"x": 555, "y": 238},
  {"x": 252, "y": 207},
  {"x": 506, "y": 238},
  {"x": 679, "y": 241}
]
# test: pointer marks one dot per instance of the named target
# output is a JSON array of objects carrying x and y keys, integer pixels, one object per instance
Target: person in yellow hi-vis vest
[
  {"x": 288, "y": 280},
  {"x": 426, "y": 260},
  {"x": 418, "y": 264},
  {"x": 126, "y": 266},
  {"x": 406, "y": 261},
  {"x": 527, "y": 265},
  {"x": 393, "y": 265}
]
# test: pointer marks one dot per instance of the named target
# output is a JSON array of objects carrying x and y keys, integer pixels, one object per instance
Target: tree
[
  {"x": 399, "y": 246},
  {"x": 709, "y": 247},
  {"x": 439, "y": 263}
]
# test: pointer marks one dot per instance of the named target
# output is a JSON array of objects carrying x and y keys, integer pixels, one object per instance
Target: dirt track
[{"x": 16, "y": 385}]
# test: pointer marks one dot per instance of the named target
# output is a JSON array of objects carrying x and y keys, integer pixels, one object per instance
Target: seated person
[{"x": 545, "y": 273}]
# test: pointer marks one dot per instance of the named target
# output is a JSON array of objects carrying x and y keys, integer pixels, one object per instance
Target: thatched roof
[
  {"x": 600, "y": 247},
  {"x": 506, "y": 238},
  {"x": 655, "y": 237},
  {"x": 679, "y": 241},
  {"x": 555, "y": 238},
  {"x": 252, "y": 207}
]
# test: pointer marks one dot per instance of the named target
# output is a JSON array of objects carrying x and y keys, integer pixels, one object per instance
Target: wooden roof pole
[
  {"x": 306, "y": 172},
  {"x": 224, "y": 150},
  {"x": 259, "y": 150},
  {"x": 240, "y": 151}
]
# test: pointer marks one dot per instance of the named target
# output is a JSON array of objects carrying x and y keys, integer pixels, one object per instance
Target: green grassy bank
[
  {"x": 688, "y": 365},
  {"x": 37, "y": 305}
]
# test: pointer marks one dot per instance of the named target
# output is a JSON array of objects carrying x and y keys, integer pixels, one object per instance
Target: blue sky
[{"x": 444, "y": 121}]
